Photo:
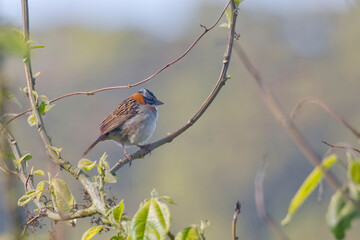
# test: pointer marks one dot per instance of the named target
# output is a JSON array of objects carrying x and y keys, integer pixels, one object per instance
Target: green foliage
[
  {"x": 151, "y": 221},
  {"x": 308, "y": 186},
  {"x": 12, "y": 42},
  {"x": 117, "y": 211},
  {"x": 25, "y": 158},
  {"x": 91, "y": 232},
  {"x": 193, "y": 232},
  {"x": 39, "y": 188},
  {"x": 62, "y": 198},
  {"x": 9, "y": 95},
  {"x": 55, "y": 149},
  {"x": 86, "y": 164},
  {"x": 27, "y": 197},
  {"x": 104, "y": 170},
  {"x": 354, "y": 171},
  {"x": 341, "y": 213}
]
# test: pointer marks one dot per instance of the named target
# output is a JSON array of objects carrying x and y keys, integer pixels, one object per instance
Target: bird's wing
[{"x": 124, "y": 111}]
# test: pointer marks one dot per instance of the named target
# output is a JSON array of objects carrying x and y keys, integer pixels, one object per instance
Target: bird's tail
[{"x": 93, "y": 145}]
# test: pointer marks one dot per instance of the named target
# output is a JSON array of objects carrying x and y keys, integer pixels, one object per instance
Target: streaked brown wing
[{"x": 124, "y": 111}]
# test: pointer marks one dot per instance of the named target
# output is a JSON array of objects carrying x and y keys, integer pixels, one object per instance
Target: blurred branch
[
  {"x": 220, "y": 83},
  {"x": 206, "y": 30},
  {"x": 287, "y": 123},
  {"x": 260, "y": 204},
  {"x": 327, "y": 109},
  {"x": 236, "y": 214}
]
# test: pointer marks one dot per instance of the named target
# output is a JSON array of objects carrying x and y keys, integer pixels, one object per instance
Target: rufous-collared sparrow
[{"x": 133, "y": 121}]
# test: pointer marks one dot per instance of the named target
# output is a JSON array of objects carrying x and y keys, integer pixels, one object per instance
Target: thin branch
[
  {"x": 206, "y": 30},
  {"x": 40, "y": 215},
  {"x": 80, "y": 175},
  {"x": 260, "y": 204},
  {"x": 327, "y": 109},
  {"x": 234, "y": 220},
  {"x": 288, "y": 124},
  {"x": 343, "y": 147},
  {"x": 220, "y": 83}
]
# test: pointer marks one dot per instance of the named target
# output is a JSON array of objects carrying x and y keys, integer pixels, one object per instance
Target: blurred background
[{"x": 301, "y": 48}]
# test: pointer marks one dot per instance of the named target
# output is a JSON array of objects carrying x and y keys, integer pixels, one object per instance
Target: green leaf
[
  {"x": 117, "y": 211},
  {"x": 25, "y": 199},
  {"x": 26, "y": 157},
  {"x": 225, "y": 25},
  {"x": 109, "y": 178},
  {"x": 39, "y": 188},
  {"x": 354, "y": 171},
  {"x": 43, "y": 97},
  {"x": 31, "y": 120},
  {"x": 168, "y": 199},
  {"x": 340, "y": 214},
  {"x": 91, "y": 232},
  {"x": 62, "y": 198},
  {"x": 117, "y": 238},
  {"x": 39, "y": 172},
  {"x": 151, "y": 221},
  {"x": 228, "y": 15},
  {"x": 11, "y": 97},
  {"x": 190, "y": 233},
  {"x": 237, "y": 2},
  {"x": 308, "y": 186},
  {"x": 86, "y": 164},
  {"x": 36, "y": 75},
  {"x": 57, "y": 150},
  {"x": 12, "y": 41},
  {"x": 103, "y": 157},
  {"x": 37, "y": 46},
  {"x": 35, "y": 95},
  {"x": 48, "y": 107},
  {"x": 42, "y": 108}
]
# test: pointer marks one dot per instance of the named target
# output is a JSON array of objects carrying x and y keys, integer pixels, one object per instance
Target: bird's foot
[
  {"x": 129, "y": 157},
  {"x": 146, "y": 147}
]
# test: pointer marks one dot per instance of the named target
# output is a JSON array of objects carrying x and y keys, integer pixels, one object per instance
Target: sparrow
[{"x": 132, "y": 122}]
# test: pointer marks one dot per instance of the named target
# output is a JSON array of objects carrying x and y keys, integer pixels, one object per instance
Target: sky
[{"x": 154, "y": 16}]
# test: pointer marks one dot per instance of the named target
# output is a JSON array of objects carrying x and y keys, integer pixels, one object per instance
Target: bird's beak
[{"x": 158, "y": 102}]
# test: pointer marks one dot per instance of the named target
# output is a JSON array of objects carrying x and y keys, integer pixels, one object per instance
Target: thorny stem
[{"x": 219, "y": 84}]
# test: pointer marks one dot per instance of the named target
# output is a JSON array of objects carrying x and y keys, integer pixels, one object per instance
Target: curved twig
[
  {"x": 234, "y": 220},
  {"x": 342, "y": 146},
  {"x": 206, "y": 30},
  {"x": 327, "y": 109},
  {"x": 220, "y": 83}
]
